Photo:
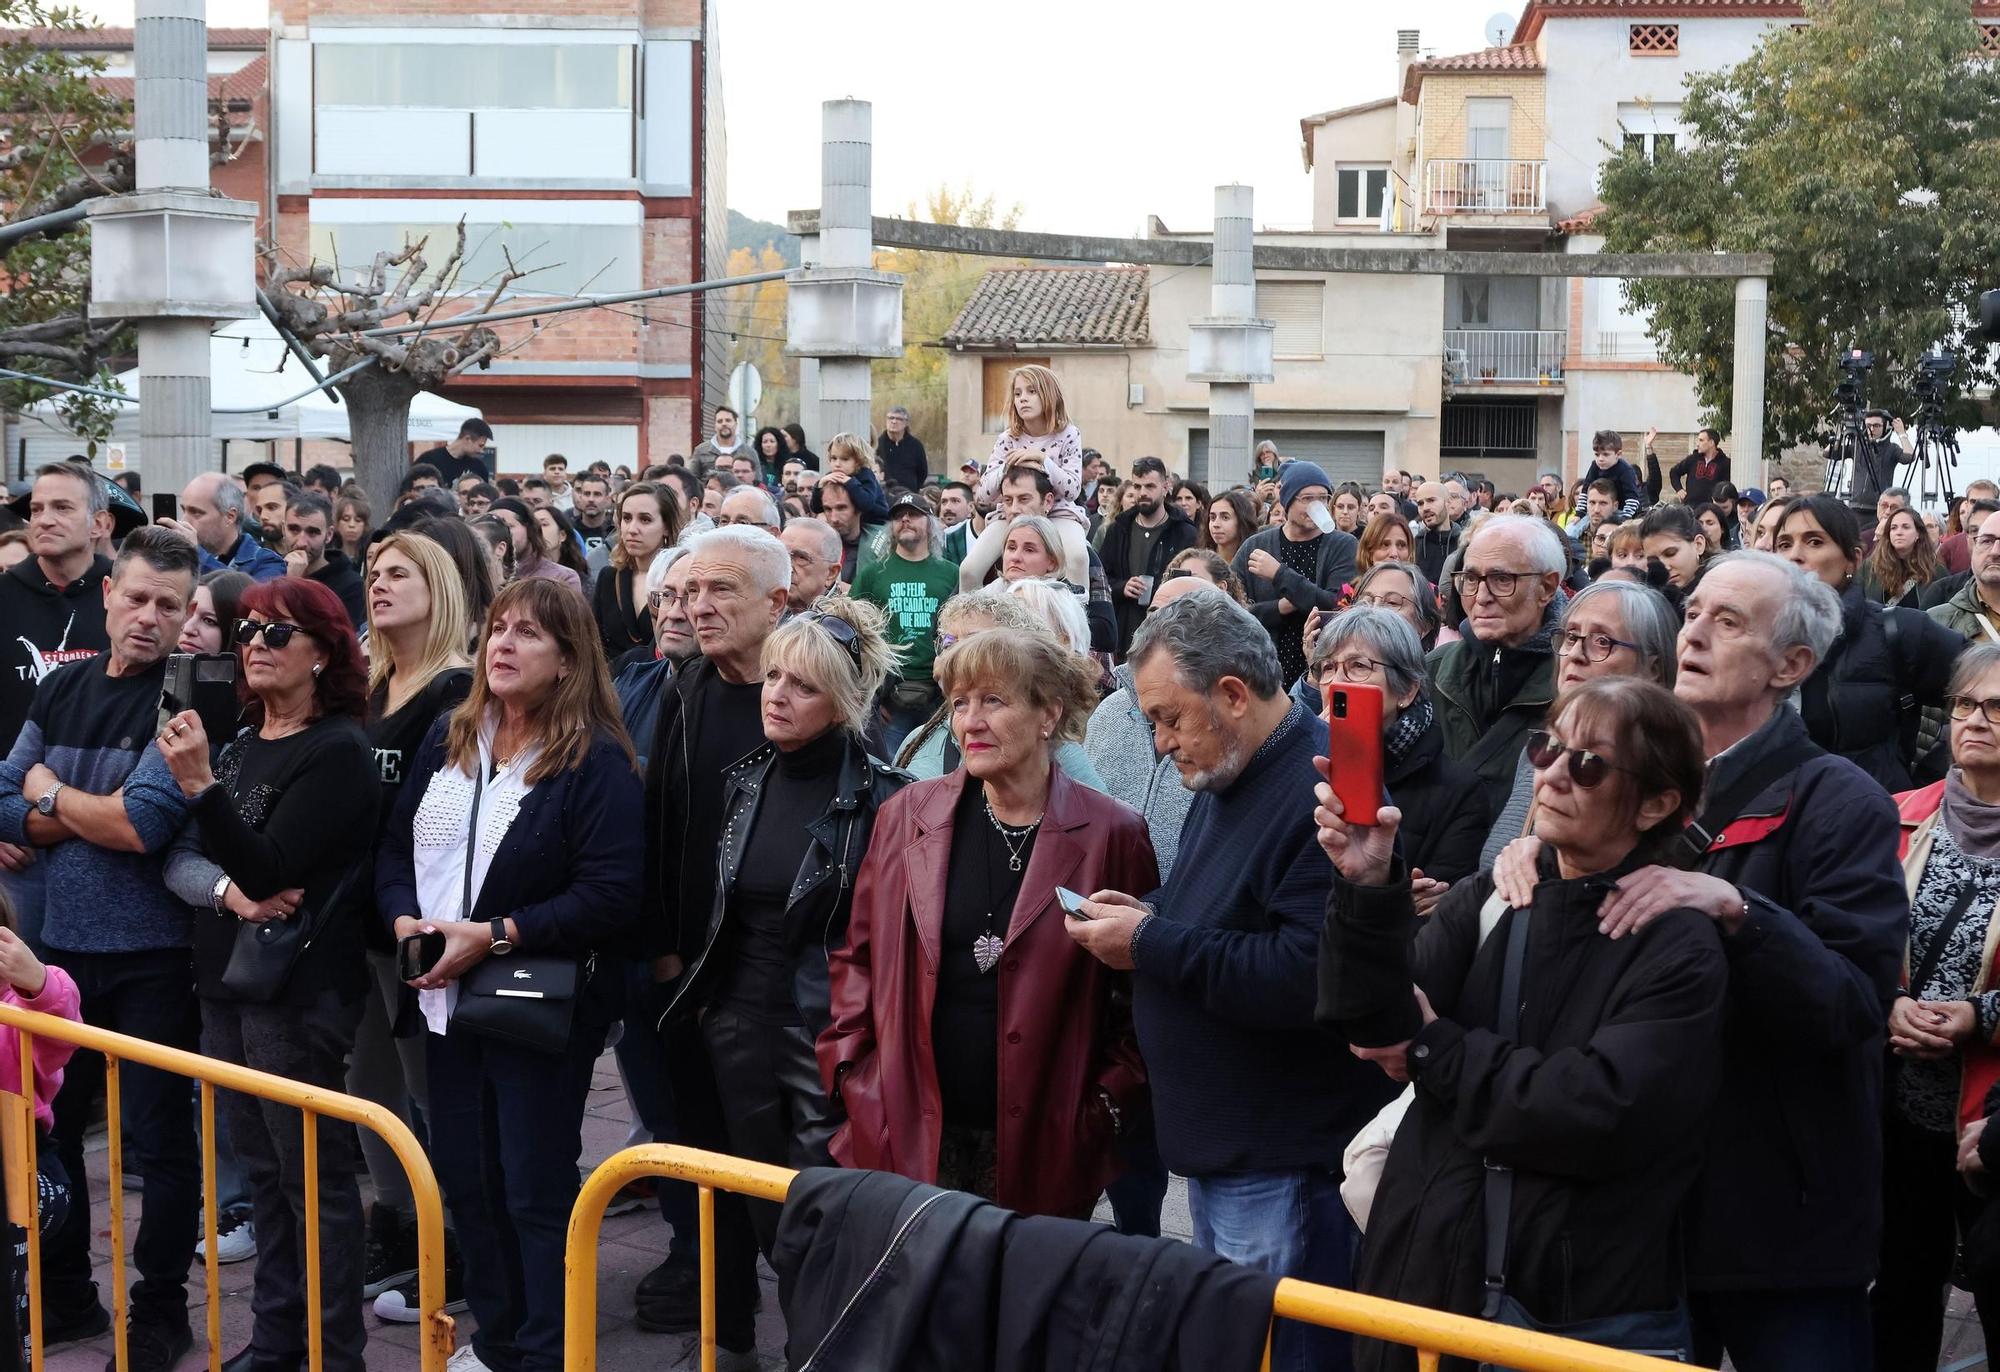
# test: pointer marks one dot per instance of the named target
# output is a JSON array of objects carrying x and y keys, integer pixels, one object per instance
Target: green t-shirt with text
[{"x": 909, "y": 594}]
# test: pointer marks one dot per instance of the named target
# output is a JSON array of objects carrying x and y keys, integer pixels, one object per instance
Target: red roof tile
[
  {"x": 1055, "y": 305},
  {"x": 1516, "y": 57},
  {"x": 120, "y": 40},
  {"x": 1539, "y": 10}
]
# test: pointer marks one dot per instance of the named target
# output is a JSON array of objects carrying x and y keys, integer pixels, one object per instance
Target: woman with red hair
[{"x": 283, "y": 819}]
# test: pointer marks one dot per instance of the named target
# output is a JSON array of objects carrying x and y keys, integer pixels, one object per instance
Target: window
[
  {"x": 994, "y": 372},
  {"x": 1361, "y": 192},
  {"x": 602, "y": 259},
  {"x": 473, "y": 76},
  {"x": 1654, "y": 40},
  {"x": 1652, "y": 131},
  {"x": 1989, "y": 40},
  {"x": 1298, "y": 308},
  {"x": 1486, "y": 127}
]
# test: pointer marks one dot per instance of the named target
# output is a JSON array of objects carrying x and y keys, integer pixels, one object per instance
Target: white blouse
[{"x": 439, "y": 847}]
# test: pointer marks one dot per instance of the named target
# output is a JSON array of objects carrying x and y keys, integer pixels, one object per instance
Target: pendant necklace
[{"x": 986, "y": 949}]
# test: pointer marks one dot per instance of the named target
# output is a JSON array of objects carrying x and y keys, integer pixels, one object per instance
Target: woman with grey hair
[
  {"x": 1443, "y": 805},
  {"x": 1609, "y": 628}
]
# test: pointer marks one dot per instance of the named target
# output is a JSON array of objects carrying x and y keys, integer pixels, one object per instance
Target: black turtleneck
[{"x": 758, "y": 982}]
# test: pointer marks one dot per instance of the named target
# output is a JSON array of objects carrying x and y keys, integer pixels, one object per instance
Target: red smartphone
[{"x": 1354, "y": 747}]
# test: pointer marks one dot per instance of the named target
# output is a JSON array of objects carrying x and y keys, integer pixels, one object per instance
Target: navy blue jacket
[
  {"x": 567, "y": 873},
  {"x": 1791, "y": 1197},
  {"x": 1630, "y": 493},
  {"x": 1228, "y": 975}
]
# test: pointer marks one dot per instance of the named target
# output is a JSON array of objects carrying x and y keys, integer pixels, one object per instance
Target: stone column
[
  {"x": 1231, "y": 349},
  {"x": 1746, "y": 413}
]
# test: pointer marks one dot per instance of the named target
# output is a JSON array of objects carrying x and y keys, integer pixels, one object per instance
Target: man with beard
[
  {"x": 909, "y": 587},
  {"x": 308, "y": 518},
  {"x": 1141, "y": 543}
]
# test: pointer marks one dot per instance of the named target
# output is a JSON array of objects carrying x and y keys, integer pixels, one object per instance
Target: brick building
[{"x": 585, "y": 139}]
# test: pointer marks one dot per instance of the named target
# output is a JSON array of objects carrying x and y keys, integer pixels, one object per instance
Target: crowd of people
[{"x": 996, "y": 828}]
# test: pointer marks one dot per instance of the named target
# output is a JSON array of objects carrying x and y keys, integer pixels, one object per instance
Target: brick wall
[{"x": 1443, "y": 100}]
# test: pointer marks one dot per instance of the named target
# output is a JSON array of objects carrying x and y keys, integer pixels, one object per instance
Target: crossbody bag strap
[
  {"x": 1942, "y": 938},
  {"x": 1499, "y": 1179},
  {"x": 1722, "y": 810},
  {"x": 472, "y": 835}
]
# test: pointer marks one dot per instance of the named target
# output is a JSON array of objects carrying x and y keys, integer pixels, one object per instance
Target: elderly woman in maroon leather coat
[{"x": 973, "y": 1043}]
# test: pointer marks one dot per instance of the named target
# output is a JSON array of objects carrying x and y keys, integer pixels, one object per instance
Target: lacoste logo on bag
[{"x": 524, "y": 975}]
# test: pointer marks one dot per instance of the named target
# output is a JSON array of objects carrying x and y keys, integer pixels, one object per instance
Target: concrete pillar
[
  {"x": 170, "y": 123},
  {"x": 1230, "y": 349},
  {"x": 1746, "y": 414},
  {"x": 846, "y": 239},
  {"x": 809, "y": 366}
]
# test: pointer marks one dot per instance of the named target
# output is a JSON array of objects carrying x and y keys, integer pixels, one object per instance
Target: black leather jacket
[{"x": 816, "y": 914}]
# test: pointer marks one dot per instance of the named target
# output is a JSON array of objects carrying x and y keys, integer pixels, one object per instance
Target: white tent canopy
[{"x": 249, "y": 365}]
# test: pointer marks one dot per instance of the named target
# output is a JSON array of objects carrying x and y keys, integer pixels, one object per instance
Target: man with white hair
[
  {"x": 750, "y": 506},
  {"x": 1495, "y": 684},
  {"x": 1252, "y": 1101},
  {"x": 710, "y": 717},
  {"x": 212, "y": 508},
  {"x": 815, "y": 549},
  {"x": 1793, "y": 854}
]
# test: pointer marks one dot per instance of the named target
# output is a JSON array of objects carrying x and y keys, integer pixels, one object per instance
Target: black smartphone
[
  {"x": 1071, "y": 902},
  {"x": 165, "y": 506},
  {"x": 206, "y": 684},
  {"x": 418, "y": 953}
]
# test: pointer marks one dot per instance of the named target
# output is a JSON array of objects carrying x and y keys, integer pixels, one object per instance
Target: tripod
[
  {"x": 1928, "y": 472},
  {"x": 1846, "y": 455}
]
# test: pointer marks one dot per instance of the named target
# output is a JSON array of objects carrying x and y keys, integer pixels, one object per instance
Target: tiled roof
[
  {"x": 1539, "y": 10},
  {"x": 1312, "y": 121},
  {"x": 120, "y": 40},
  {"x": 1056, "y": 305},
  {"x": 1515, "y": 57},
  {"x": 1581, "y": 221},
  {"x": 246, "y": 84}
]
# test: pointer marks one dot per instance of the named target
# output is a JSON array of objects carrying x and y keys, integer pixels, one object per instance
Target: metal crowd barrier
[
  {"x": 17, "y": 1135},
  {"x": 1431, "y": 1333}
]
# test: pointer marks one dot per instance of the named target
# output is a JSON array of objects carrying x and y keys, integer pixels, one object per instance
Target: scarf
[
  {"x": 1974, "y": 823},
  {"x": 1410, "y": 726}
]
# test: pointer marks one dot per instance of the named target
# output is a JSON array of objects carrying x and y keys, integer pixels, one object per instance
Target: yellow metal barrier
[
  {"x": 1432, "y": 1333},
  {"x": 435, "y": 1343}
]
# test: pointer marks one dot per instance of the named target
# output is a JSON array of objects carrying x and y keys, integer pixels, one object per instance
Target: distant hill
[{"x": 745, "y": 232}]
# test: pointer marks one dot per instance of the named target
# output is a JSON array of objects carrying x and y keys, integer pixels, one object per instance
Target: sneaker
[
  {"x": 235, "y": 1240},
  {"x": 392, "y": 1251},
  {"x": 87, "y": 1324},
  {"x": 400, "y": 1303},
  {"x": 636, "y": 1194},
  {"x": 465, "y": 1360},
  {"x": 152, "y": 1347}
]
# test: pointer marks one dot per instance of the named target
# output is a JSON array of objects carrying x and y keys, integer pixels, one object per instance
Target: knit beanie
[{"x": 1296, "y": 477}]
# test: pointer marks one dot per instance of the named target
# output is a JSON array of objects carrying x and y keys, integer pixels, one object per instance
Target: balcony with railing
[
  {"x": 1476, "y": 358},
  {"x": 1483, "y": 186}
]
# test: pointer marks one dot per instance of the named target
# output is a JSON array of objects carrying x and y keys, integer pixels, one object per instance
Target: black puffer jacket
[
  {"x": 1445, "y": 813},
  {"x": 1863, "y": 701},
  {"x": 1598, "y": 1106}
]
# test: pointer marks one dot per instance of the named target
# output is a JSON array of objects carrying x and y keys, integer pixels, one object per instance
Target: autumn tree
[
  {"x": 752, "y": 319},
  {"x": 1862, "y": 151}
]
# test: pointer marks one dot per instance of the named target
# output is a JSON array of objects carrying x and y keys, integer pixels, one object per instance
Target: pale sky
[{"x": 1090, "y": 114}]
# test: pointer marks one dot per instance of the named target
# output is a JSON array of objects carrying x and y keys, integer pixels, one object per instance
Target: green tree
[
  {"x": 1861, "y": 150},
  {"x": 63, "y": 141},
  {"x": 936, "y": 286}
]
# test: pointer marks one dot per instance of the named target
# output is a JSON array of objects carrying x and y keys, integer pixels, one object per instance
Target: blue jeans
[
  {"x": 1289, "y": 1223},
  {"x": 1822, "y": 1330}
]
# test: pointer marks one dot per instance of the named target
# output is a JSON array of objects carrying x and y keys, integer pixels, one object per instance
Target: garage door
[{"x": 1346, "y": 454}]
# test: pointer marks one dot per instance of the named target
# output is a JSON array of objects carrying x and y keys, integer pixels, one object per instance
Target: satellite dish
[{"x": 1498, "y": 28}]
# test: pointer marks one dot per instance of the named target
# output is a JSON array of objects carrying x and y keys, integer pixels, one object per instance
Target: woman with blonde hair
[
  {"x": 1040, "y": 436},
  {"x": 973, "y": 1043},
  {"x": 648, "y": 519},
  {"x": 518, "y": 841},
  {"x": 797, "y": 813},
  {"x": 1212, "y": 567},
  {"x": 418, "y": 672}
]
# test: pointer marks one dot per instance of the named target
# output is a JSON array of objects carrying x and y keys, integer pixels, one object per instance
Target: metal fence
[
  {"x": 1475, "y": 357},
  {"x": 17, "y": 1127},
  {"x": 1485, "y": 185},
  {"x": 1430, "y": 1332}
]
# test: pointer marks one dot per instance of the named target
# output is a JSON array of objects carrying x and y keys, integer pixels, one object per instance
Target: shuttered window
[{"x": 1299, "y": 310}]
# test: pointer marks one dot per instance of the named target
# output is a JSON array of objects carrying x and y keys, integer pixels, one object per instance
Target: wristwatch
[
  {"x": 218, "y": 892},
  {"x": 501, "y": 943},
  {"x": 47, "y": 804}
]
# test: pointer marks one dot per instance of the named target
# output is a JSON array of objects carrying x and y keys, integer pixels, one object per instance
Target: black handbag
[
  {"x": 264, "y": 956},
  {"x": 1666, "y": 1334},
  {"x": 525, "y": 999}
]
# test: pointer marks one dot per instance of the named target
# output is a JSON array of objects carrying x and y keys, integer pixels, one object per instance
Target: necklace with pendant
[{"x": 986, "y": 949}]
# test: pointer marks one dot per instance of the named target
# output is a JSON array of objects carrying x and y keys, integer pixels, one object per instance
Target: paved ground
[{"x": 632, "y": 1245}]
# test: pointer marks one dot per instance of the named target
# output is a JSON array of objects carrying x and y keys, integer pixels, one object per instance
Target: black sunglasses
[
  {"x": 276, "y": 635},
  {"x": 839, "y": 630},
  {"x": 1586, "y": 768}
]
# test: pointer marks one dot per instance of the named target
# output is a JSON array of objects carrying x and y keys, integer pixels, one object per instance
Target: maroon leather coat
[{"x": 1062, "y": 1035}]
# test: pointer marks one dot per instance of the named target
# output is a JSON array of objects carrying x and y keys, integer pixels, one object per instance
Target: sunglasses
[
  {"x": 839, "y": 630},
  {"x": 276, "y": 635},
  {"x": 1586, "y": 769}
]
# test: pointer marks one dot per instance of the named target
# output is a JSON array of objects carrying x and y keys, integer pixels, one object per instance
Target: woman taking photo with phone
[
  {"x": 1573, "y": 1124},
  {"x": 1011, "y": 1070},
  {"x": 262, "y": 856},
  {"x": 515, "y": 853},
  {"x": 417, "y": 671}
]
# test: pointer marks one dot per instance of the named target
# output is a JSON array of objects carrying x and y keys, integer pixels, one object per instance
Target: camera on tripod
[
  {"x": 1933, "y": 370},
  {"x": 1856, "y": 363}
]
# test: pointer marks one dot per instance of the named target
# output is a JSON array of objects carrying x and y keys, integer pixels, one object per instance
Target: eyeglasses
[
  {"x": 276, "y": 635},
  {"x": 1359, "y": 670},
  {"x": 1502, "y": 584},
  {"x": 1986, "y": 541},
  {"x": 1594, "y": 647},
  {"x": 661, "y": 597},
  {"x": 1387, "y": 600},
  {"x": 1586, "y": 768},
  {"x": 1961, "y": 707},
  {"x": 839, "y": 630}
]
